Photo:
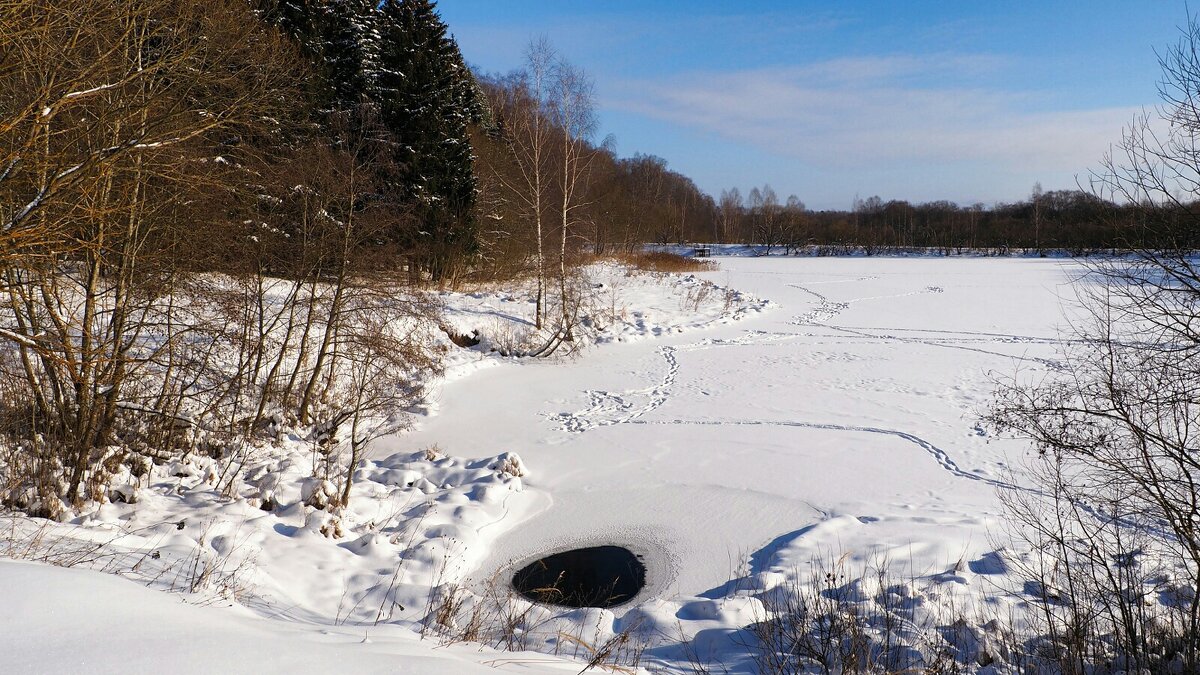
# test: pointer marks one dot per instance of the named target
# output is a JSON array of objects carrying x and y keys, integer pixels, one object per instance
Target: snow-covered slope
[
  {"x": 728, "y": 440},
  {"x": 74, "y": 621},
  {"x": 419, "y": 523},
  {"x": 843, "y": 422}
]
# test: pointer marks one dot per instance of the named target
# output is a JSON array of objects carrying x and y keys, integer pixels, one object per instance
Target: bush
[{"x": 661, "y": 261}]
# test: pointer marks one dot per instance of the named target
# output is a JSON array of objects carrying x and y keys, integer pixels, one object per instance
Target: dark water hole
[{"x": 598, "y": 576}]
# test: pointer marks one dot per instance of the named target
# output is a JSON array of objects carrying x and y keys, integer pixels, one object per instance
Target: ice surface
[{"x": 824, "y": 407}]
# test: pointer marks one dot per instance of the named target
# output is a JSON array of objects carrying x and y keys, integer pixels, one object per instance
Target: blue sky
[{"x": 967, "y": 101}]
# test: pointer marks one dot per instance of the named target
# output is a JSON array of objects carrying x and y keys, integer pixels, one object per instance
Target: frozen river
[
  {"x": 843, "y": 422},
  {"x": 846, "y": 419}
]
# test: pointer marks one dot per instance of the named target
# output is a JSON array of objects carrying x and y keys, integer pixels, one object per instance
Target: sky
[{"x": 920, "y": 100}]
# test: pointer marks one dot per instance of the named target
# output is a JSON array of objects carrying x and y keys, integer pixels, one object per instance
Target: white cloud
[{"x": 897, "y": 110}]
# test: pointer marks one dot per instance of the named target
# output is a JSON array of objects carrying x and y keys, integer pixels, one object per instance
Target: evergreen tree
[
  {"x": 341, "y": 38},
  {"x": 349, "y": 48},
  {"x": 295, "y": 18},
  {"x": 427, "y": 99}
]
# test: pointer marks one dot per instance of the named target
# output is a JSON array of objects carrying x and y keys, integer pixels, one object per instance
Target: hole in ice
[{"x": 597, "y": 576}]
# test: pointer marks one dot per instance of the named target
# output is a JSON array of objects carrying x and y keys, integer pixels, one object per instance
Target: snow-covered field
[
  {"x": 844, "y": 421},
  {"x": 727, "y": 440}
]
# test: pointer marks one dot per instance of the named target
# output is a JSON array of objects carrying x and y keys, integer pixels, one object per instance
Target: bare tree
[
  {"x": 766, "y": 218},
  {"x": 523, "y": 106},
  {"x": 648, "y": 174},
  {"x": 793, "y": 230},
  {"x": 1116, "y": 519},
  {"x": 730, "y": 213},
  {"x": 1036, "y": 196},
  {"x": 754, "y": 215},
  {"x": 572, "y": 110},
  {"x": 1115, "y": 516}
]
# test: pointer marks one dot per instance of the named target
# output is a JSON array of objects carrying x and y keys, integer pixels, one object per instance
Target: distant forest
[
  {"x": 218, "y": 218},
  {"x": 322, "y": 113}
]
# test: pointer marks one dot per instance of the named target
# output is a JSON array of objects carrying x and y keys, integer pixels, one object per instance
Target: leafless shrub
[
  {"x": 1115, "y": 555},
  {"x": 502, "y": 619},
  {"x": 621, "y": 653},
  {"x": 664, "y": 262},
  {"x": 841, "y": 620},
  {"x": 697, "y": 296},
  {"x": 112, "y": 119},
  {"x": 509, "y": 338},
  {"x": 215, "y": 566}
]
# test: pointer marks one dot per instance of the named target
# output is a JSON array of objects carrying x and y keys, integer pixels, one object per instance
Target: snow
[
  {"x": 72, "y": 620},
  {"x": 864, "y": 376},
  {"x": 728, "y": 439},
  {"x": 845, "y": 420}
]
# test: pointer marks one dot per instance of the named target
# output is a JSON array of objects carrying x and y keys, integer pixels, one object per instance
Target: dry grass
[
  {"x": 661, "y": 261},
  {"x": 502, "y": 619},
  {"x": 215, "y": 568}
]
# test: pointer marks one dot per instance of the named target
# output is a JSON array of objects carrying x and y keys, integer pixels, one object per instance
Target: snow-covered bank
[
  {"x": 621, "y": 305},
  {"x": 844, "y": 422},
  {"x": 420, "y": 521},
  {"x": 743, "y": 454},
  {"x": 74, "y": 620}
]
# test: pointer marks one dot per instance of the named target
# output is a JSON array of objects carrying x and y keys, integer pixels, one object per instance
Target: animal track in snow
[
  {"x": 869, "y": 277},
  {"x": 955, "y": 343},
  {"x": 825, "y": 310},
  {"x": 606, "y": 408},
  {"x": 609, "y": 408},
  {"x": 828, "y": 309},
  {"x": 941, "y": 456}
]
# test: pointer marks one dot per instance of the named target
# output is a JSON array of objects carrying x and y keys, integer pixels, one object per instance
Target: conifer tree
[
  {"x": 295, "y": 18},
  {"x": 427, "y": 99},
  {"x": 341, "y": 38},
  {"x": 349, "y": 48}
]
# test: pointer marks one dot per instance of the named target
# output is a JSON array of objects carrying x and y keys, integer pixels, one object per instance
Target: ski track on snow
[
  {"x": 938, "y": 454},
  {"x": 609, "y": 408}
]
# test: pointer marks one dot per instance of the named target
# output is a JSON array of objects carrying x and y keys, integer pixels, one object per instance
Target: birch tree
[
  {"x": 572, "y": 110},
  {"x": 528, "y": 131}
]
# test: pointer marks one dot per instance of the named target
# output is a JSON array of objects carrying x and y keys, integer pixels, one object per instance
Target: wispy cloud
[{"x": 896, "y": 110}]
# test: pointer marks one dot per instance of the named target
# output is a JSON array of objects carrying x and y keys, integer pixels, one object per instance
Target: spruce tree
[
  {"x": 295, "y": 18},
  {"x": 427, "y": 99},
  {"x": 349, "y": 47},
  {"x": 341, "y": 39}
]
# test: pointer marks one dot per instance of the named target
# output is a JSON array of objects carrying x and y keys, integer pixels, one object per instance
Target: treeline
[
  {"x": 1073, "y": 221},
  {"x": 217, "y": 219},
  {"x": 624, "y": 203},
  {"x": 210, "y": 218}
]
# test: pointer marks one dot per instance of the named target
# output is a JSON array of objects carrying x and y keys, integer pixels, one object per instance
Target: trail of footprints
[{"x": 608, "y": 408}]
